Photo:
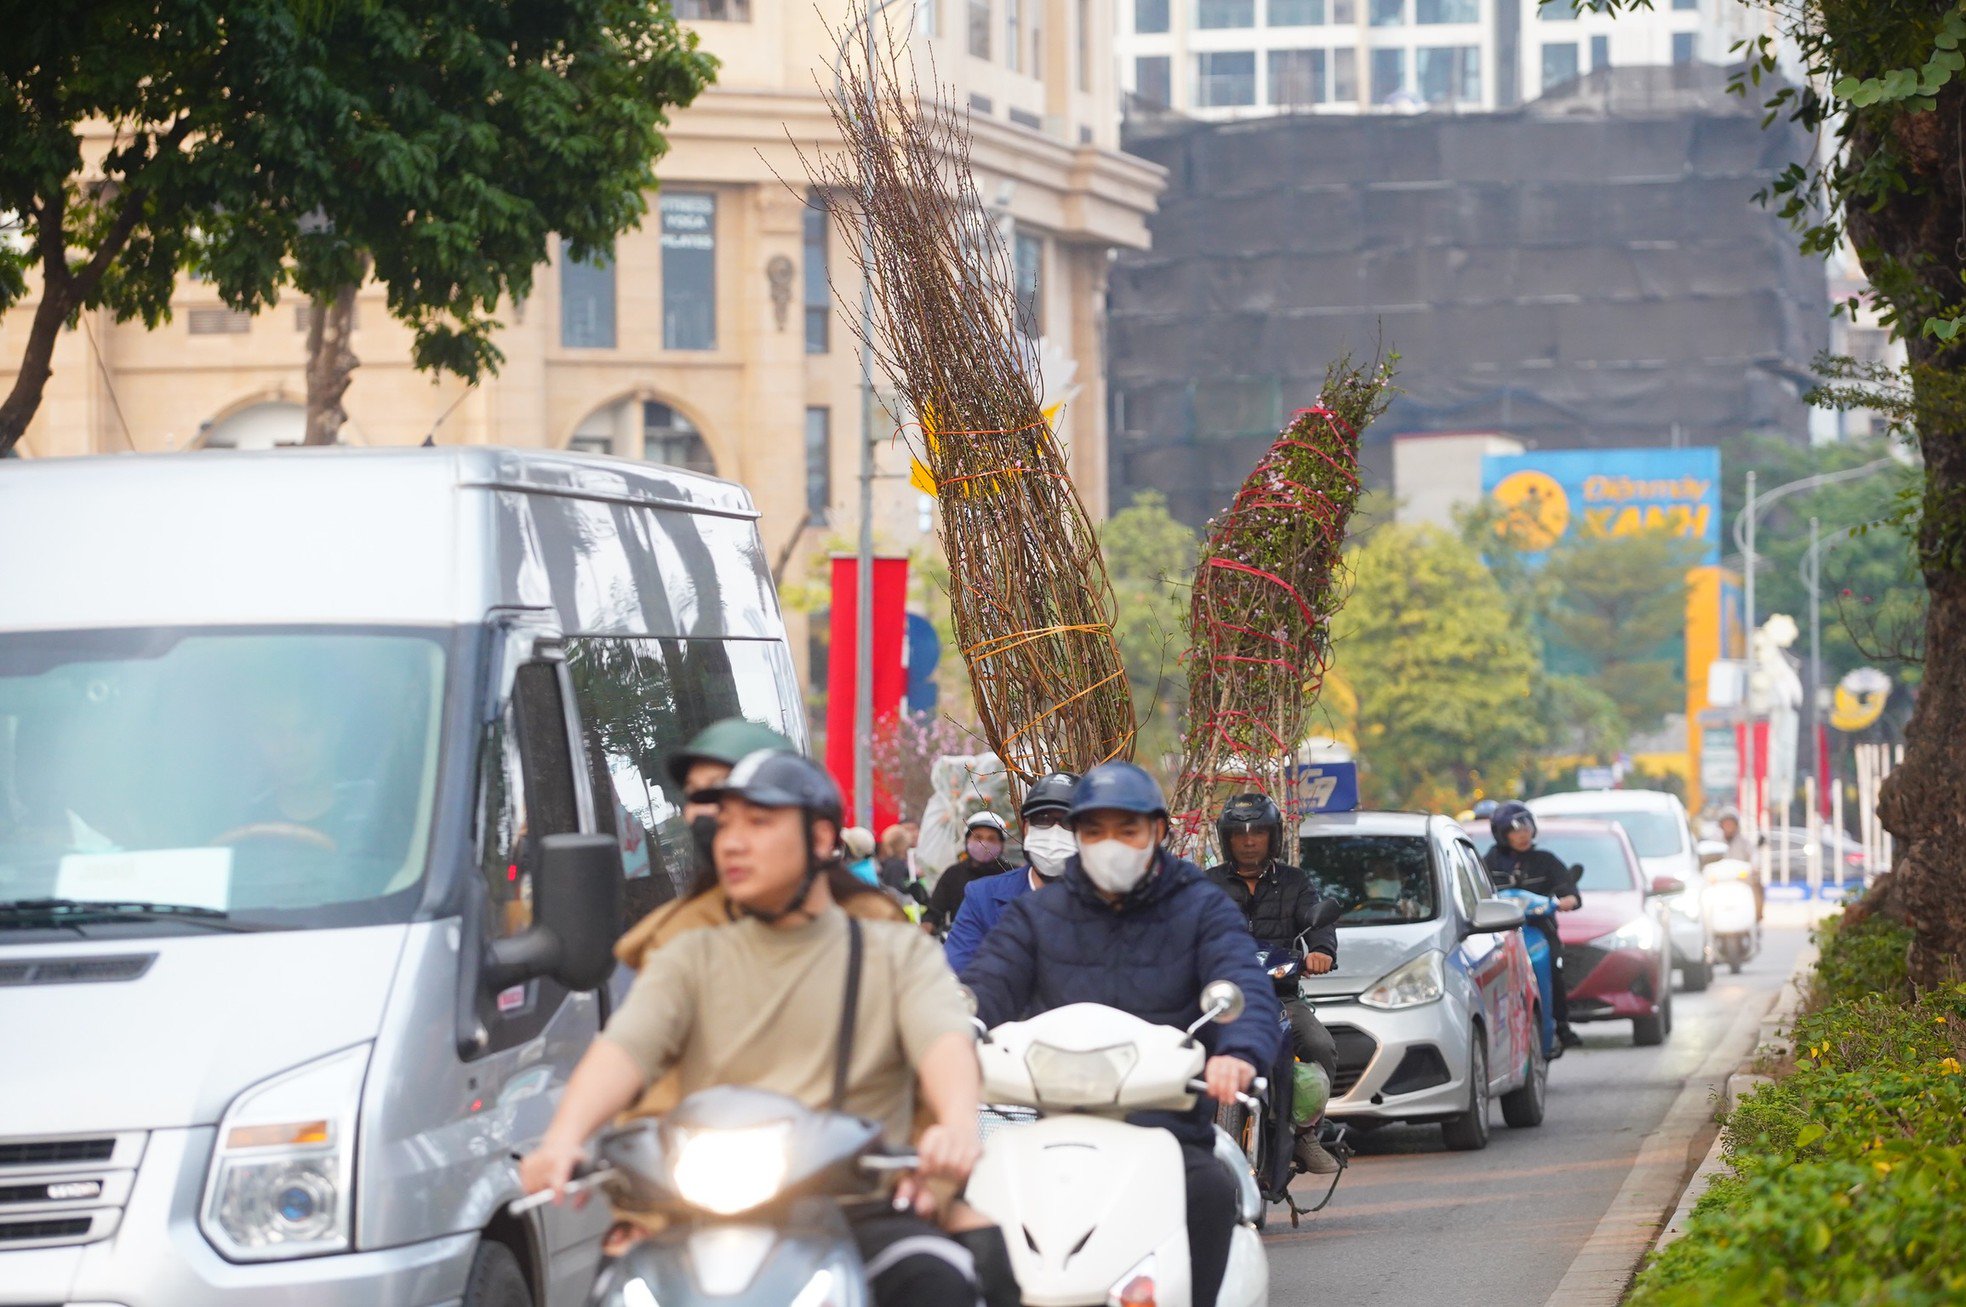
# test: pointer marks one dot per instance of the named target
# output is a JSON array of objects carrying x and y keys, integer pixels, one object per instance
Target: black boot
[{"x": 994, "y": 1275}]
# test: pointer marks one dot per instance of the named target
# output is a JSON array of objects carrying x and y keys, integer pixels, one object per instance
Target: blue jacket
[
  {"x": 1150, "y": 955},
  {"x": 983, "y": 906}
]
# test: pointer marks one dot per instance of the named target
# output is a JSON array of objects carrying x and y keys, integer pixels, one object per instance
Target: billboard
[{"x": 1551, "y": 495}]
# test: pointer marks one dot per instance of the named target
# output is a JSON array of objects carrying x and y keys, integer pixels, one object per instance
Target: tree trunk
[
  {"x": 36, "y": 366},
  {"x": 330, "y": 362},
  {"x": 1920, "y": 228}
]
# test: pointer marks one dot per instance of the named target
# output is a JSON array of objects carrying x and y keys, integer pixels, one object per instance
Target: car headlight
[
  {"x": 1687, "y": 904},
  {"x": 282, "y": 1177},
  {"x": 1069, "y": 1078},
  {"x": 1420, "y": 980},
  {"x": 1138, "y": 1287},
  {"x": 731, "y": 1171},
  {"x": 1639, "y": 933}
]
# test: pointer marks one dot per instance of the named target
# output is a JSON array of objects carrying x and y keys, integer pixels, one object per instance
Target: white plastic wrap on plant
[{"x": 963, "y": 785}]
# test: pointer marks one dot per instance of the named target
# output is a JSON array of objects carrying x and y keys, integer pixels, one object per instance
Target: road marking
[{"x": 1604, "y": 1266}]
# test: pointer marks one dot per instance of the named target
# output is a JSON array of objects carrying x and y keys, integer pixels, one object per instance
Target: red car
[{"x": 1617, "y": 957}]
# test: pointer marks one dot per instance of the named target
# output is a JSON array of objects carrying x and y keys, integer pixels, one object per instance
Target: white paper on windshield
[{"x": 195, "y": 878}]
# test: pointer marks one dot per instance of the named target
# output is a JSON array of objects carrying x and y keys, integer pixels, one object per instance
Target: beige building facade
[{"x": 712, "y": 339}]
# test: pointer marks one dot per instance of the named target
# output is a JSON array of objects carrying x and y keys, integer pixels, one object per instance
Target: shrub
[{"x": 1858, "y": 958}]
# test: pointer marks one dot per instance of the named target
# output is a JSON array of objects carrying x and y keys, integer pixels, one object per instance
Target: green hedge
[{"x": 1849, "y": 1172}]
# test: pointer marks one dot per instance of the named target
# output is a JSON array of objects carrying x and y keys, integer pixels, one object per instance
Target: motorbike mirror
[
  {"x": 1222, "y": 1001},
  {"x": 1663, "y": 885},
  {"x": 1711, "y": 851},
  {"x": 1492, "y": 916},
  {"x": 1328, "y": 911}
]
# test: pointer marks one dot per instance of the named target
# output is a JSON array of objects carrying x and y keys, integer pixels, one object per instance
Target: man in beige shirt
[{"x": 758, "y": 1003}]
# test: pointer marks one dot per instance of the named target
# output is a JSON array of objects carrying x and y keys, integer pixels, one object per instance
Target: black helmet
[
  {"x": 1513, "y": 815},
  {"x": 1250, "y": 812},
  {"x": 726, "y": 742},
  {"x": 1051, "y": 793}
]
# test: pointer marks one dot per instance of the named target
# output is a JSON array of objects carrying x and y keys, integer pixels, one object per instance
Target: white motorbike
[
  {"x": 1094, "y": 1210},
  {"x": 1729, "y": 899}
]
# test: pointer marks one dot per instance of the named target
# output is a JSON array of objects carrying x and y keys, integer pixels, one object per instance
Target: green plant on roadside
[{"x": 1865, "y": 958}]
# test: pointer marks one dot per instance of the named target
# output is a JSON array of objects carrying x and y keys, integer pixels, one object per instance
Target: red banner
[{"x": 890, "y": 676}]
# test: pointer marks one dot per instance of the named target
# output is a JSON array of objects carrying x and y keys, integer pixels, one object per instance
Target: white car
[{"x": 1657, "y": 825}]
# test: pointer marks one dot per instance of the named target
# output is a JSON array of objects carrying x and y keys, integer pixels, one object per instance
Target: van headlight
[
  {"x": 1419, "y": 980},
  {"x": 282, "y": 1176}
]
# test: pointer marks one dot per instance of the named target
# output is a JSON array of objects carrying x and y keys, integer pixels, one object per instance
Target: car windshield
[
  {"x": 284, "y": 778},
  {"x": 1602, "y": 856},
  {"x": 1381, "y": 879},
  {"x": 1653, "y": 834}
]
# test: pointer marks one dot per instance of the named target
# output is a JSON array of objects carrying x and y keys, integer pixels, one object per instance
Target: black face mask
[{"x": 702, "y": 830}]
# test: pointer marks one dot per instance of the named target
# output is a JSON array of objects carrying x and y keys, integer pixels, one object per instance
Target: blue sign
[
  {"x": 1552, "y": 495},
  {"x": 1327, "y": 787},
  {"x": 924, "y": 652}
]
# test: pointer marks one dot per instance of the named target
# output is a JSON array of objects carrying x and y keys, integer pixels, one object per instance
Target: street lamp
[{"x": 1744, "y": 524}]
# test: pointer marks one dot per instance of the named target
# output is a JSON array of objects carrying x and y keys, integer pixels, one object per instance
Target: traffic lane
[{"x": 1412, "y": 1222}]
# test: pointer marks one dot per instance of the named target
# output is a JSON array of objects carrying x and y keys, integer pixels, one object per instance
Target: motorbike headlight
[
  {"x": 1138, "y": 1287},
  {"x": 1419, "y": 980},
  {"x": 282, "y": 1177},
  {"x": 1067, "y": 1078},
  {"x": 1639, "y": 933},
  {"x": 731, "y": 1171},
  {"x": 1278, "y": 973}
]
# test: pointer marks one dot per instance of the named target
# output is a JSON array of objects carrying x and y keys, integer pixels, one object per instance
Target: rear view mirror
[
  {"x": 1222, "y": 1001},
  {"x": 1711, "y": 851},
  {"x": 577, "y": 905},
  {"x": 1328, "y": 911},
  {"x": 1492, "y": 916},
  {"x": 1664, "y": 885}
]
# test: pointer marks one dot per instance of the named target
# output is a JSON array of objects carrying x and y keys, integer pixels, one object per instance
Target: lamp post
[{"x": 1744, "y": 525}]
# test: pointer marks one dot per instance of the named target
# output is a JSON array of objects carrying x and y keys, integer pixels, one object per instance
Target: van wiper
[{"x": 72, "y": 912}]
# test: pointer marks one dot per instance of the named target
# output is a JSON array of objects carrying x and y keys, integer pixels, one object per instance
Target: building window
[
  {"x": 689, "y": 270},
  {"x": 669, "y": 437},
  {"x": 1388, "y": 13},
  {"x": 1344, "y": 12},
  {"x": 304, "y": 317},
  {"x": 1600, "y": 52},
  {"x": 979, "y": 103},
  {"x": 218, "y": 322},
  {"x": 1559, "y": 63},
  {"x": 1295, "y": 13},
  {"x": 1686, "y": 6},
  {"x": 1082, "y": 44},
  {"x": 1025, "y": 118},
  {"x": 1037, "y": 40},
  {"x": 979, "y": 28},
  {"x": 1388, "y": 74},
  {"x": 1344, "y": 75},
  {"x": 818, "y": 284},
  {"x": 1153, "y": 79},
  {"x": 1013, "y": 36},
  {"x": 1446, "y": 11},
  {"x": 1556, "y": 11},
  {"x": 1297, "y": 79},
  {"x": 1028, "y": 253},
  {"x": 1225, "y": 13},
  {"x": 1685, "y": 47},
  {"x": 586, "y": 301},
  {"x": 928, "y": 17},
  {"x": 1149, "y": 16},
  {"x": 1449, "y": 74},
  {"x": 714, "y": 11},
  {"x": 1225, "y": 79},
  {"x": 819, "y": 465}
]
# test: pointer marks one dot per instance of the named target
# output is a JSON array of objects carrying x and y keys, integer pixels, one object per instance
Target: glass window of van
[{"x": 286, "y": 778}]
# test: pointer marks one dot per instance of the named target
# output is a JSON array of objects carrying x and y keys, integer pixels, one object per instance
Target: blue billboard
[{"x": 1552, "y": 495}]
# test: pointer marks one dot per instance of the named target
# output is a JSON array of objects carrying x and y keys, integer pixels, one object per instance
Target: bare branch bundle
[
  {"x": 1032, "y": 604},
  {"x": 1270, "y": 577}
]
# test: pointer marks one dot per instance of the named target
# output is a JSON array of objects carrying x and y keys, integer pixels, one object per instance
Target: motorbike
[
  {"x": 752, "y": 1184},
  {"x": 1094, "y": 1209},
  {"x": 1729, "y": 900},
  {"x": 1539, "y": 908}
]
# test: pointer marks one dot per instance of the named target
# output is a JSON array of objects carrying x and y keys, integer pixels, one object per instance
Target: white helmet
[{"x": 986, "y": 820}]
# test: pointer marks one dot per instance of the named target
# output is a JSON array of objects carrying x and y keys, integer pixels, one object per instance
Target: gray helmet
[{"x": 779, "y": 778}]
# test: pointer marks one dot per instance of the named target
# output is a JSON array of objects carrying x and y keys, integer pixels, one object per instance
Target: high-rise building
[{"x": 1248, "y": 58}]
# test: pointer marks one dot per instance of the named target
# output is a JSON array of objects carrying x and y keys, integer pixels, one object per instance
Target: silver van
[{"x": 327, "y": 780}]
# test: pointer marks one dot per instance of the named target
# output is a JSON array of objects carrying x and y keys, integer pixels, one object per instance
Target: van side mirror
[
  {"x": 1492, "y": 916},
  {"x": 1711, "y": 851},
  {"x": 577, "y": 904}
]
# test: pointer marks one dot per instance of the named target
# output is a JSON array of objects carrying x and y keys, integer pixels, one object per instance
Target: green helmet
[{"x": 726, "y": 742}]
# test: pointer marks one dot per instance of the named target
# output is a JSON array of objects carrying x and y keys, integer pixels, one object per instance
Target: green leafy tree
[
  {"x": 268, "y": 145},
  {"x": 1445, "y": 683},
  {"x": 1617, "y": 608},
  {"x": 1151, "y": 557}
]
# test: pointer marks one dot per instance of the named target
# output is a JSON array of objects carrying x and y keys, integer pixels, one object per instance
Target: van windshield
[{"x": 284, "y": 778}]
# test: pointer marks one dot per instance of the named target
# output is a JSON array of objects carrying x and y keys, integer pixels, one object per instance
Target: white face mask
[
  {"x": 1114, "y": 865},
  {"x": 1047, "y": 847}
]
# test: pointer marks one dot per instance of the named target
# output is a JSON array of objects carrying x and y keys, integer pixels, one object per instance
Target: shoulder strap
[{"x": 849, "y": 1011}]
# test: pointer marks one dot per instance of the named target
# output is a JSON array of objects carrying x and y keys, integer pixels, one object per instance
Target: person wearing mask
[
  {"x": 1048, "y": 842},
  {"x": 746, "y": 1004},
  {"x": 983, "y": 840},
  {"x": 1278, "y": 902},
  {"x": 1516, "y": 863},
  {"x": 1134, "y": 927}
]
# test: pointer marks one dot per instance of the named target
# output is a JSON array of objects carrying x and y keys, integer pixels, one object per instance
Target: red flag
[{"x": 890, "y": 677}]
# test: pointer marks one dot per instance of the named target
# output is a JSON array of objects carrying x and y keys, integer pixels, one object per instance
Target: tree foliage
[
  {"x": 1618, "y": 605},
  {"x": 1445, "y": 680},
  {"x": 1150, "y": 555},
  {"x": 266, "y": 145}
]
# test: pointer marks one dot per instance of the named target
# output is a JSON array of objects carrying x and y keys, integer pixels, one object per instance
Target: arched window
[
  {"x": 258, "y": 426},
  {"x": 667, "y": 436}
]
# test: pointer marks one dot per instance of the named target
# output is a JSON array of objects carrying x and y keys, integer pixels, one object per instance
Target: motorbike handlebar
[
  {"x": 584, "y": 1178},
  {"x": 1251, "y": 1101}
]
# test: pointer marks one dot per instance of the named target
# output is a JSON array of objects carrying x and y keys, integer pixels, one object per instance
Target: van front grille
[
  {"x": 40, "y": 1231},
  {"x": 110, "y": 969},
  {"x": 57, "y": 1192},
  {"x": 55, "y": 1152}
]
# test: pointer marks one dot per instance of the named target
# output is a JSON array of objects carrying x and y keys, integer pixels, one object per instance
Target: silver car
[{"x": 1433, "y": 1003}]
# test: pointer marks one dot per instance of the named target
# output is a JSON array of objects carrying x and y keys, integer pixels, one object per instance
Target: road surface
[{"x": 1413, "y": 1223}]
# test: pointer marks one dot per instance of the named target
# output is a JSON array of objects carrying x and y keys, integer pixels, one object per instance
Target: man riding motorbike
[
  {"x": 1279, "y": 902},
  {"x": 1516, "y": 862},
  {"x": 1134, "y": 927},
  {"x": 1740, "y": 849},
  {"x": 740, "y": 1005},
  {"x": 1048, "y": 841}
]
